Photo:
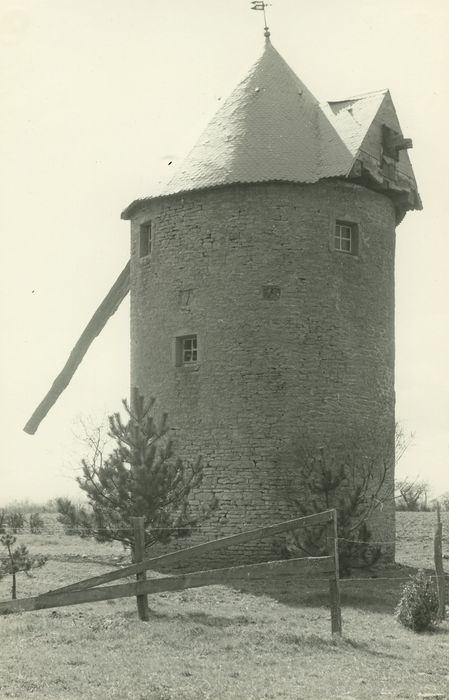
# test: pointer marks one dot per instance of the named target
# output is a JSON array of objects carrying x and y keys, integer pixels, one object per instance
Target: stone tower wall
[{"x": 296, "y": 340}]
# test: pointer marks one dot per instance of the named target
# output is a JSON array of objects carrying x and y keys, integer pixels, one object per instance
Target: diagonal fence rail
[
  {"x": 93, "y": 589},
  {"x": 325, "y": 517}
]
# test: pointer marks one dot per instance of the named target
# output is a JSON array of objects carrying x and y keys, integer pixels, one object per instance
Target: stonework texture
[{"x": 295, "y": 339}]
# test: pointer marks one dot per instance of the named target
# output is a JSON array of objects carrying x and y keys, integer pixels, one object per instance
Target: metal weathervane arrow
[{"x": 261, "y": 5}]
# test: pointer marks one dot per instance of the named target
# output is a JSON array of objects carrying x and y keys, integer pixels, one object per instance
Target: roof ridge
[{"x": 360, "y": 96}]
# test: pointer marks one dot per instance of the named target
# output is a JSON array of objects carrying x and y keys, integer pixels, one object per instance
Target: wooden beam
[
  {"x": 211, "y": 546},
  {"x": 107, "y": 308},
  {"x": 304, "y": 566}
]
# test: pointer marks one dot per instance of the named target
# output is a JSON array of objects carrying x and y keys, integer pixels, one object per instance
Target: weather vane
[{"x": 261, "y": 5}]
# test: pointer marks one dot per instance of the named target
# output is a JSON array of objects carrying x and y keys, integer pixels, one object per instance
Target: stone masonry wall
[{"x": 296, "y": 340}]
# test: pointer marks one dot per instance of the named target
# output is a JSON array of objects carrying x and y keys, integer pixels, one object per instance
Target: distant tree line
[
  {"x": 15, "y": 520},
  {"x": 414, "y": 495}
]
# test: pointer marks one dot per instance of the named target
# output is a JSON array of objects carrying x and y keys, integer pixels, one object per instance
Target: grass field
[{"x": 264, "y": 639}]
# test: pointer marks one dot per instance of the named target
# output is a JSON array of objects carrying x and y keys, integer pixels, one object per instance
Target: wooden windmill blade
[{"x": 107, "y": 308}]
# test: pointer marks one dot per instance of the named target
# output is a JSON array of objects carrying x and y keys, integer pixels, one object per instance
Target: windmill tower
[{"x": 262, "y": 289}]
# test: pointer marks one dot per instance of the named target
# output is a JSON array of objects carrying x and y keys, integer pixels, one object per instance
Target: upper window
[
  {"x": 346, "y": 237},
  {"x": 186, "y": 350},
  {"x": 145, "y": 239}
]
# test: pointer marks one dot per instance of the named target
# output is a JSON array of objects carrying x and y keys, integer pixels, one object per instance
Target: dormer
[{"x": 369, "y": 126}]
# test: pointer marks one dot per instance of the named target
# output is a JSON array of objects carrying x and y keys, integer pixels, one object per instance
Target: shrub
[
  {"x": 18, "y": 560},
  {"x": 418, "y": 607},
  {"x": 75, "y": 518},
  {"x": 16, "y": 520},
  {"x": 3, "y": 521},
  {"x": 343, "y": 477},
  {"x": 50, "y": 506},
  {"x": 36, "y": 523}
]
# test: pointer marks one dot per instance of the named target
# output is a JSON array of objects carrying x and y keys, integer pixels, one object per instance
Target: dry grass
[
  {"x": 267, "y": 639},
  {"x": 414, "y": 538}
]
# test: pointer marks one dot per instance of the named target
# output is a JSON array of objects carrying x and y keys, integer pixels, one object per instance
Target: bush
[
  {"x": 348, "y": 479},
  {"x": 50, "y": 506},
  {"x": 16, "y": 520},
  {"x": 418, "y": 607},
  {"x": 75, "y": 518},
  {"x": 36, "y": 523}
]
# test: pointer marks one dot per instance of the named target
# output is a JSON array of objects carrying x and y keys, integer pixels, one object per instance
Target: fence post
[
  {"x": 334, "y": 584},
  {"x": 138, "y": 555},
  {"x": 439, "y": 571}
]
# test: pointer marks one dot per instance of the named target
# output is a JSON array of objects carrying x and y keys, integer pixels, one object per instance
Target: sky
[{"x": 98, "y": 97}]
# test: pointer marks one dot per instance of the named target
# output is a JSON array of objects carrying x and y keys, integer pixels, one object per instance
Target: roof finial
[{"x": 261, "y": 5}]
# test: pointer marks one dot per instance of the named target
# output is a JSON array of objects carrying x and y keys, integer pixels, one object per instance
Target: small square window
[
  {"x": 186, "y": 350},
  {"x": 145, "y": 240},
  {"x": 346, "y": 237},
  {"x": 271, "y": 292}
]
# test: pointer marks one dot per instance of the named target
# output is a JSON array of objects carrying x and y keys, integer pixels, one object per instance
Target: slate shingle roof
[
  {"x": 272, "y": 128},
  {"x": 353, "y": 117}
]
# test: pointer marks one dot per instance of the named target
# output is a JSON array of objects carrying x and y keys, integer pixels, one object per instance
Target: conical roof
[{"x": 270, "y": 128}]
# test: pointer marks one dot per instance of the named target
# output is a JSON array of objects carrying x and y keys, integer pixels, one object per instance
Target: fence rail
[
  {"x": 93, "y": 589},
  {"x": 206, "y": 547},
  {"x": 304, "y": 566}
]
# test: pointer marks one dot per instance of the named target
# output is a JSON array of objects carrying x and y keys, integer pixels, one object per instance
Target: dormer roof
[
  {"x": 272, "y": 129},
  {"x": 353, "y": 116}
]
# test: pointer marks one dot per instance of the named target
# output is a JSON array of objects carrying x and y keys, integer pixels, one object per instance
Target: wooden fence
[{"x": 93, "y": 589}]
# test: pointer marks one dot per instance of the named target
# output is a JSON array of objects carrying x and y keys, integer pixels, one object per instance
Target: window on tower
[
  {"x": 346, "y": 237},
  {"x": 186, "y": 350},
  {"x": 145, "y": 239}
]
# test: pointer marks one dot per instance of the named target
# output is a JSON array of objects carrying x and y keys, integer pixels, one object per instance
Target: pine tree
[
  {"x": 352, "y": 483},
  {"x": 17, "y": 560},
  {"x": 140, "y": 477}
]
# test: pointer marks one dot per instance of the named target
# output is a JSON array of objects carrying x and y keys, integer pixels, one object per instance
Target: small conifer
[
  {"x": 351, "y": 483},
  {"x": 17, "y": 560},
  {"x": 140, "y": 477}
]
